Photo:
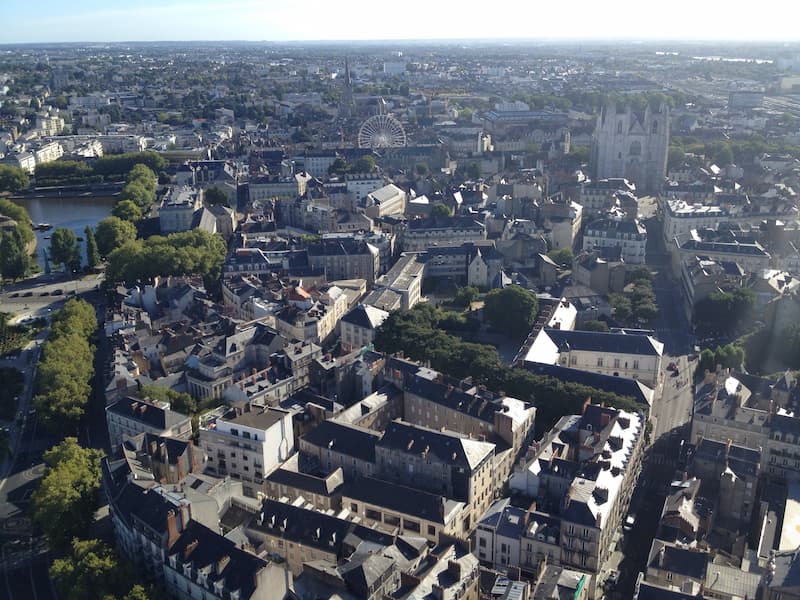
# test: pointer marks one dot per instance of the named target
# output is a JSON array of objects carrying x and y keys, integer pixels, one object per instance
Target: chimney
[
  {"x": 661, "y": 553},
  {"x": 222, "y": 563},
  {"x": 153, "y": 447},
  {"x": 172, "y": 529},
  {"x": 586, "y": 404},
  {"x": 190, "y": 548}
]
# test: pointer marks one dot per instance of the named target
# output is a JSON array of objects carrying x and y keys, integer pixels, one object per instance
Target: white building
[
  {"x": 620, "y": 354},
  {"x": 358, "y": 327},
  {"x": 388, "y": 200},
  {"x": 629, "y": 235},
  {"x": 247, "y": 444}
]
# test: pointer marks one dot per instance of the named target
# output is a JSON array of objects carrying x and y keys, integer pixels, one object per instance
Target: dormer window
[
  {"x": 187, "y": 570},
  {"x": 218, "y": 587},
  {"x": 173, "y": 562}
]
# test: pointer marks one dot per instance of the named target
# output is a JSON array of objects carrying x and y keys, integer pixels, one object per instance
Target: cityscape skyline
[{"x": 247, "y": 20}]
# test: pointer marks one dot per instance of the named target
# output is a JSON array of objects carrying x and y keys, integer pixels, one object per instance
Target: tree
[
  {"x": 465, "y": 296},
  {"x": 12, "y": 179},
  {"x": 112, "y": 233},
  {"x": 338, "y": 167},
  {"x": 600, "y": 326},
  {"x": 511, "y": 310},
  {"x": 365, "y": 164},
  {"x": 127, "y": 210},
  {"x": 473, "y": 171},
  {"x": 14, "y": 259},
  {"x": 92, "y": 253},
  {"x": 64, "y": 248},
  {"x": 142, "y": 175},
  {"x": 64, "y": 503},
  {"x": 621, "y": 306},
  {"x": 92, "y": 570},
  {"x": 562, "y": 256},
  {"x": 20, "y": 215},
  {"x": 214, "y": 195},
  {"x": 723, "y": 155},
  {"x": 676, "y": 157},
  {"x": 440, "y": 209},
  {"x": 140, "y": 195}
]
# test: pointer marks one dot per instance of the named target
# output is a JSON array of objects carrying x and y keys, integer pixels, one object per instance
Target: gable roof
[
  {"x": 350, "y": 440},
  {"x": 614, "y": 343}
]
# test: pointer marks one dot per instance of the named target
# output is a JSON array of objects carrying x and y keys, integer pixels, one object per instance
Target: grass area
[{"x": 13, "y": 382}]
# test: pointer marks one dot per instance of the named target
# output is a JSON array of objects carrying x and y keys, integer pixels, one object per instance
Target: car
[
  {"x": 58, "y": 292},
  {"x": 15, "y": 295},
  {"x": 672, "y": 366},
  {"x": 45, "y": 293},
  {"x": 28, "y": 294}
]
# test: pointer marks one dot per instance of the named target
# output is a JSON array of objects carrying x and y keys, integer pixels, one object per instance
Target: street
[{"x": 40, "y": 295}]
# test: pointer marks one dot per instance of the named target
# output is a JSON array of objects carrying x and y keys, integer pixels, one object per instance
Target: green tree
[
  {"x": 600, "y": 326},
  {"x": 562, "y": 256},
  {"x": 14, "y": 259},
  {"x": 511, "y": 310},
  {"x": 20, "y": 215},
  {"x": 723, "y": 155},
  {"x": 12, "y": 179},
  {"x": 112, "y": 233},
  {"x": 92, "y": 253},
  {"x": 440, "y": 209},
  {"x": 339, "y": 167},
  {"x": 621, "y": 306},
  {"x": 214, "y": 195},
  {"x": 465, "y": 296},
  {"x": 137, "y": 193},
  {"x": 64, "y": 503},
  {"x": 675, "y": 157},
  {"x": 365, "y": 164},
  {"x": 127, "y": 210},
  {"x": 64, "y": 248},
  {"x": 92, "y": 570},
  {"x": 142, "y": 175}
]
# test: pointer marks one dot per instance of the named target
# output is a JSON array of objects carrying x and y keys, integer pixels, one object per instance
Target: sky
[{"x": 285, "y": 20}]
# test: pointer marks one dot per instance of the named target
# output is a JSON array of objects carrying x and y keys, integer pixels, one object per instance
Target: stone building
[{"x": 632, "y": 145}]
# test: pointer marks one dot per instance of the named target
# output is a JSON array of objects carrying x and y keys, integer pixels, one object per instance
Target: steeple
[{"x": 347, "y": 106}]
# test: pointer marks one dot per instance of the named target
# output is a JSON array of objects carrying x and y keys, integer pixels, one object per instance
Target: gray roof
[
  {"x": 613, "y": 343},
  {"x": 147, "y": 413},
  {"x": 366, "y": 316},
  {"x": 349, "y": 440}
]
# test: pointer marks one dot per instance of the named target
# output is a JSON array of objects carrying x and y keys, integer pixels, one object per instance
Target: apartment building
[
  {"x": 345, "y": 258},
  {"x": 130, "y": 416},
  {"x": 421, "y": 234},
  {"x": 583, "y": 473},
  {"x": 247, "y": 443},
  {"x": 358, "y": 327}
]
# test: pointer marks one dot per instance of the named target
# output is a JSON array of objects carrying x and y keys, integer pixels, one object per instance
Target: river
[{"x": 72, "y": 212}]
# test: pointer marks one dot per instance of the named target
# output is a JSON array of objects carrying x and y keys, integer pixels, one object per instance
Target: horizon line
[{"x": 585, "y": 40}]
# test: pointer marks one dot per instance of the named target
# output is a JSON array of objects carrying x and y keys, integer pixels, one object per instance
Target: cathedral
[{"x": 632, "y": 144}]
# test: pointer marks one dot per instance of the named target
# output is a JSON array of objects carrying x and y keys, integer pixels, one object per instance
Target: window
[
  {"x": 235, "y": 432},
  {"x": 669, "y": 576},
  {"x": 616, "y": 363},
  {"x": 599, "y": 361},
  {"x": 431, "y": 530},
  {"x": 636, "y": 364},
  {"x": 482, "y": 542},
  {"x": 655, "y": 127}
]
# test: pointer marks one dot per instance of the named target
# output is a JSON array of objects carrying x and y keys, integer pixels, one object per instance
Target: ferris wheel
[{"x": 381, "y": 131}]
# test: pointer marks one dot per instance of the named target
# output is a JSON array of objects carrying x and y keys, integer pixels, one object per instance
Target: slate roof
[
  {"x": 145, "y": 412},
  {"x": 219, "y": 558},
  {"x": 301, "y": 481},
  {"x": 444, "y": 223},
  {"x": 622, "y": 386},
  {"x": 613, "y": 343},
  {"x": 366, "y": 316},
  {"x": 349, "y": 440},
  {"x": 399, "y": 498},
  {"x": 444, "y": 447},
  {"x": 683, "y": 561}
]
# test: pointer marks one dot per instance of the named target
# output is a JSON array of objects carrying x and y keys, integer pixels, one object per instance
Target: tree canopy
[
  {"x": 92, "y": 569},
  {"x": 214, "y": 195},
  {"x": 193, "y": 252},
  {"x": 440, "y": 209},
  {"x": 64, "y": 248},
  {"x": 12, "y": 179},
  {"x": 723, "y": 312},
  {"x": 113, "y": 232},
  {"x": 511, "y": 310},
  {"x": 64, "y": 503},
  {"x": 67, "y": 365},
  {"x": 127, "y": 210},
  {"x": 92, "y": 253}
]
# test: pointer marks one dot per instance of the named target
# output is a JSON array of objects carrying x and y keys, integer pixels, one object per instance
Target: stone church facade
[{"x": 632, "y": 144}]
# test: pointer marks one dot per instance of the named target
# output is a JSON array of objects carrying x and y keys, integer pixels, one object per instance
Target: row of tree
[
  {"x": 418, "y": 334},
  {"x": 722, "y": 313},
  {"x": 63, "y": 506},
  {"x": 729, "y": 356},
  {"x": 12, "y": 179},
  {"x": 113, "y": 167},
  {"x": 193, "y": 252},
  {"x": 15, "y": 242},
  {"x": 138, "y": 194},
  {"x": 66, "y": 368}
]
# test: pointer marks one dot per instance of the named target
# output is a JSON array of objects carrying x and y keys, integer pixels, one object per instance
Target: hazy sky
[{"x": 151, "y": 20}]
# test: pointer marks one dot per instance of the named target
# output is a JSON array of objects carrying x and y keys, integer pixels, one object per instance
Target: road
[{"x": 40, "y": 295}]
